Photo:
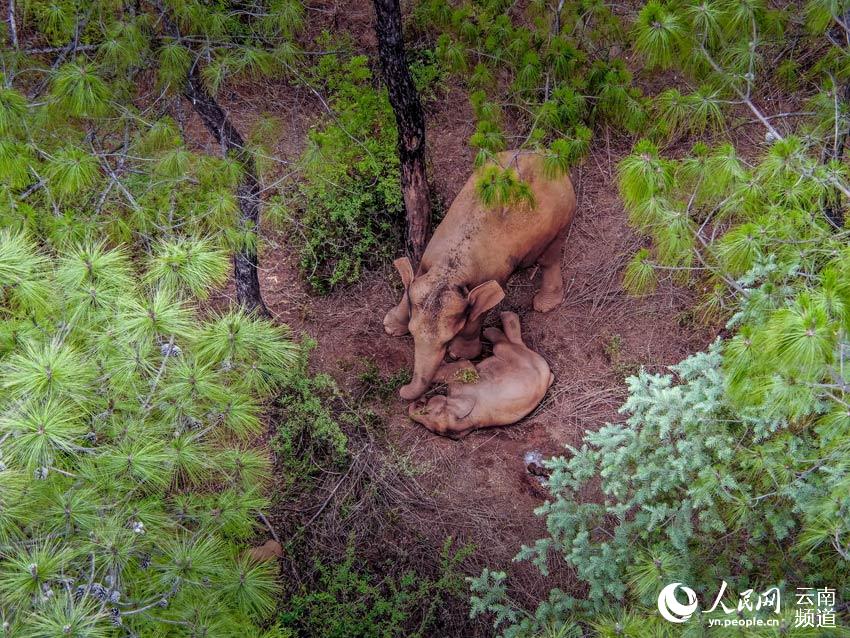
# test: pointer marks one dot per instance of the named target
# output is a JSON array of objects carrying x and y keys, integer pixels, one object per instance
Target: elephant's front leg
[
  {"x": 396, "y": 320},
  {"x": 467, "y": 344}
]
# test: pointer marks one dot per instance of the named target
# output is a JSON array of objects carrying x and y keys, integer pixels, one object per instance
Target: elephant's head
[
  {"x": 447, "y": 416},
  {"x": 439, "y": 311}
]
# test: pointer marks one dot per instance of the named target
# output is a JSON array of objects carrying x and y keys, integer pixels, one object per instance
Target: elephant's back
[
  {"x": 515, "y": 382},
  {"x": 489, "y": 243}
]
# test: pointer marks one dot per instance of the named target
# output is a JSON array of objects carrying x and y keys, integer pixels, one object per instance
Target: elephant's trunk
[{"x": 425, "y": 365}]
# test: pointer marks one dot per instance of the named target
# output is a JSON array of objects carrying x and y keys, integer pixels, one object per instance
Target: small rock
[
  {"x": 533, "y": 456},
  {"x": 534, "y": 466}
]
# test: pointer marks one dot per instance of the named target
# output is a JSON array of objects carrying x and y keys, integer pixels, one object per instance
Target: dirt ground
[
  {"x": 480, "y": 485},
  {"x": 479, "y": 489}
]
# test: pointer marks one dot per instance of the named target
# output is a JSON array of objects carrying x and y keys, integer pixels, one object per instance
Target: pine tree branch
[
  {"x": 745, "y": 99},
  {"x": 146, "y": 406},
  {"x": 268, "y": 526},
  {"x": 41, "y": 50},
  {"x": 71, "y": 47},
  {"x": 556, "y": 26},
  {"x": 113, "y": 176}
]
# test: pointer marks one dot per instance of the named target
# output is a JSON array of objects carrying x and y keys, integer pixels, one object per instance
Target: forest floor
[{"x": 478, "y": 490}]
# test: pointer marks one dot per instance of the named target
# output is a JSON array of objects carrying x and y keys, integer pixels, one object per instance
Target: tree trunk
[
  {"x": 248, "y": 192},
  {"x": 834, "y": 207},
  {"x": 410, "y": 122}
]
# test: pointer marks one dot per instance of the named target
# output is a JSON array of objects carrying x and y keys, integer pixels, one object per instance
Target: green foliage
[
  {"x": 693, "y": 114},
  {"x": 378, "y": 386},
  {"x": 731, "y": 467},
  {"x": 80, "y": 91},
  {"x": 640, "y": 277},
  {"x": 71, "y": 171},
  {"x": 349, "y": 202},
  {"x": 351, "y": 602},
  {"x": 551, "y": 72},
  {"x": 127, "y": 492},
  {"x": 190, "y": 265},
  {"x": 13, "y": 107},
  {"x": 658, "y": 34},
  {"x": 91, "y": 152},
  {"x": 308, "y": 428},
  {"x": 174, "y": 62},
  {"x": 564, "y": 153},
  {"x": 499, "y": 187}
]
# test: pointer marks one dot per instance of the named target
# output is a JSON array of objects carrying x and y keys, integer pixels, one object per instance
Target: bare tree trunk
[
  {"x": 13, "y": 27},
  {"x": 834, "y": 208},
  {"x": 248, "y": 191},
  {"x": 410, "y": 122}
]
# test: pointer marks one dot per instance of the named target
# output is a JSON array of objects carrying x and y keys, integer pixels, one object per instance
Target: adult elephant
[{"x": 470, "y": 258}]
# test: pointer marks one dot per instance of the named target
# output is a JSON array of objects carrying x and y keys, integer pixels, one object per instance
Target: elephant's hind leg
[
  {"x": 494, "y": 335},
  {"x": 551, "y": 292},
  {"x": 396, "y": 320},
  {"x": 512, "y": 330}
]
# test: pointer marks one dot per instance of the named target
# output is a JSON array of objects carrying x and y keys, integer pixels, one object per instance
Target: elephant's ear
[
  {"x": 402, "y": 264},
  {"x": 462, "y": 406},
  {"x": 483, "y": 297}
]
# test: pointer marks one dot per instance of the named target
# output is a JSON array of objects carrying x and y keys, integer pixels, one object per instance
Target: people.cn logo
[{"x": 671, "y": 609}]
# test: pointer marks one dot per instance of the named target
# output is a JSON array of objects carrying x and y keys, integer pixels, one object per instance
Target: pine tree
[
  {"x": 103, "y": 144},
  {"x": 410, "y": 122},
  {"x": 124, "y": 500}
]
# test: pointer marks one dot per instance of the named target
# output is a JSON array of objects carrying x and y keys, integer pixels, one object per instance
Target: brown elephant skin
[
  {"x": 469, "y": 260},
  {"x": 500, "y": 390}
]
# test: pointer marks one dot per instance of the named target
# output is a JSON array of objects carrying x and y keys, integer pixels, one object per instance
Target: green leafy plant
[
  {"x": 348, "y": 203},
  {"x": 350, "y": 602},
  {"x": 378, "y": 386},
  {"x": 309, "y": 425}
]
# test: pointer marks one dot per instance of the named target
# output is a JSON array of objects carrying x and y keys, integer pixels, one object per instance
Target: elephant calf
[{"x": 500, "y": 390}]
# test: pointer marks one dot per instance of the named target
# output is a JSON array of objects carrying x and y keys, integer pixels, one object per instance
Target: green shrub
[
  {"x": 348, "y": 208},
  {"x": 378, "y": 386},
  {"x": 350, "y": 602},
  {"x": 128, "y": 489},
  {"x": 307, "y": 426}
]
